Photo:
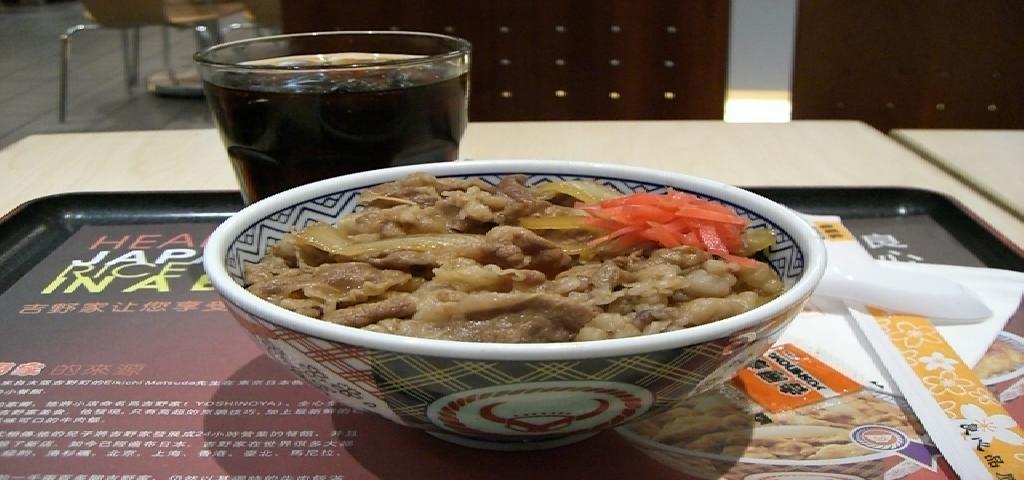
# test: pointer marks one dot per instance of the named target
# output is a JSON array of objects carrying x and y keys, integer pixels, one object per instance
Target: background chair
[
  {"x": 911, "y": 63},
  {"x": 129, "y": 16},
  {"x": 563, "y": 59}
]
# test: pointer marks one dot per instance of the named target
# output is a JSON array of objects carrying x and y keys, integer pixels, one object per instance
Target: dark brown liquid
[{"x": 279, "y": 139}]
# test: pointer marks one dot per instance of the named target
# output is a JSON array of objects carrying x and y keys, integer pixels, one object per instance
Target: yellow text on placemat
[
  {"x": 833, "y": 231},
  {"x": 985, "y": 426}
]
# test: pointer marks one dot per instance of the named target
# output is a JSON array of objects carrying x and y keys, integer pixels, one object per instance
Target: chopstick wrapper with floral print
[{"x": 975, "y": 434}]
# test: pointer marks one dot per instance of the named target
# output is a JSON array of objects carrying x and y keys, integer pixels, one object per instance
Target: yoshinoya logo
[
  {"x": 879, "y": 437},
  {"x": 540, "y": 408}
]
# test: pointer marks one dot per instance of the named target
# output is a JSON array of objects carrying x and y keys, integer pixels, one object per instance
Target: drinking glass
[{"x": 293, "y": 109}]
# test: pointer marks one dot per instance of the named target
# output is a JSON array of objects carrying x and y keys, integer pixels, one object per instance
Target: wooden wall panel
[
  {"x": 911, "y": 63},
  {"x": 615, "y": 59}
]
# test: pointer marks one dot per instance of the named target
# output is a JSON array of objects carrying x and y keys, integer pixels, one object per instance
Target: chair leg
[
  {"x": 136, "y": 46},
  {"x": 130, "y": 52},
  {"x": 201, "y": 37},
  {"x": 65, "y": 60},
  {"x": 126, "y": 53},
  {"x": 165, "y": 36}
]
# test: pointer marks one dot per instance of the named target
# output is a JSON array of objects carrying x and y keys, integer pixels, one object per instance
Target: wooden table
[
  {"x": 802, "y": 153},
  {"x": 989, "y": 161}
]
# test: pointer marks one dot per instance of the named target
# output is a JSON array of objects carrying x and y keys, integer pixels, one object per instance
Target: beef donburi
[{"x": 461, "y": 259}]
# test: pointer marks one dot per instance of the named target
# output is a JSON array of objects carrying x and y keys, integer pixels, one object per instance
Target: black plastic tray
[{"x": 931, "y": 226}]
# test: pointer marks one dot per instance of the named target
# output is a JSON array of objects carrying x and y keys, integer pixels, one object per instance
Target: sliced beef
[
  {"x": 363, "y": 314},
  {"x": 507, "y": 318},
  {"x": 419, "y": 188},
  {"x": 269, "y": 267},
  {"x": 466, "y": 275},
  {"x": 331, "y": 284},
  {"x": 762, "y": 280},
  {"x": 395, "y": 221},
  {"x": 700, "y": 311},
  {"x": 522, "y": 201},
  {"x": 472, "y": 211},
  {"x": 424, "y": 204},
  {"x": 505, "y": 247},
  {"x": 297, "y": 253},
  {"x": 517, "y": 247},
  {"x": 595, "y": 284},
  {"x": 406, "y": 260},
  {"x": 682, "y": 257}
]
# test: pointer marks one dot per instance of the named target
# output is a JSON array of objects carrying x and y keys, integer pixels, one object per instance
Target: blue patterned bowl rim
[{"x": 803, "y": 235}]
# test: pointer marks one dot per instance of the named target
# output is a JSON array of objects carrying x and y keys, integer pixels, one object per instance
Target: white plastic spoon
[{"x": 852, "y": 274}]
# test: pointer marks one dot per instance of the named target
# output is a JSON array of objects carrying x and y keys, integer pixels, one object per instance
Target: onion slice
[
  {"x": 586, "y": 191},
  {"x": 419, "y": 243}
]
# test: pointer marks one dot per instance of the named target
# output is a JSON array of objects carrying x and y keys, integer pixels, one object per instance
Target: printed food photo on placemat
[
  {"x": 848, "y": 432},
  {"x": 1002, "y": 370}
]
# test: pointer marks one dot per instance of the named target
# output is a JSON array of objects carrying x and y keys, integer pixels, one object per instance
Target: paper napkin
[{"x": 826, "y": 328}]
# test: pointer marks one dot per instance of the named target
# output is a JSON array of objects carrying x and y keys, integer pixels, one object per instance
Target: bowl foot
[{"x": 513, "y": 446}]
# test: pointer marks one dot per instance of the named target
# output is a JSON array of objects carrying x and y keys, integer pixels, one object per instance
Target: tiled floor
[{"x": 99, "y": 99}]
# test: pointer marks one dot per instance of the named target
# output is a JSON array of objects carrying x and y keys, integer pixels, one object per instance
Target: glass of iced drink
[{"x": 293, "y": 109}]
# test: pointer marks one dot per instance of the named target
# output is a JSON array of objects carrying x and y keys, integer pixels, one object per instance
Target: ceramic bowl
[{"x": 507, "y": 396}]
